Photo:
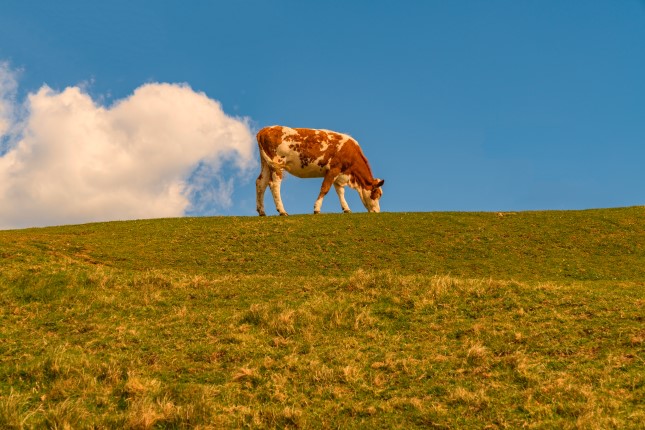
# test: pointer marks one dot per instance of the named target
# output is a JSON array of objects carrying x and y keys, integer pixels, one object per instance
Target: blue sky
[{"x": 461, "y": 105}]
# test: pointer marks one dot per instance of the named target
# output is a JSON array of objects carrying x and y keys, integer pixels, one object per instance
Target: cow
[{"x": 310, "y": 153}]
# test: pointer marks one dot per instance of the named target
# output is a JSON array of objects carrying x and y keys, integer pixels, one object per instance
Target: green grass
[{"x": 444, "y": 320}]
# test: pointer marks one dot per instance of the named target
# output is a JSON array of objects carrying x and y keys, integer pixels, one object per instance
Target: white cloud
[
  {"x": 7, "y": 96},
  {"x": 157, "y": 153}
]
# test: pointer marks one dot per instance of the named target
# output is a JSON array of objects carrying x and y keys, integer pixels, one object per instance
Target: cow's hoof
[
  {"x": 262, "y": 214},
  {"x": 284, "y": 214},
  {"x": 316, "y": 212},
  {"x": 348, "y": 211}
]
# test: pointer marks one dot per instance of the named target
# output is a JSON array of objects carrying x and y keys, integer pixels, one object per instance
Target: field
[{"x": 392, "y": 320}]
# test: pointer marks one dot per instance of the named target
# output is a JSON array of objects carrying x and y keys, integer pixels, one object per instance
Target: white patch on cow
[
  {"x": 343, "y": 180},
  {"x": 344, "y": 140},
  {"x": 312, "y": 170},
  {"x": 289, "y": 160},
  {"x": 340, "y": 190},
  {"x": 286, "y": 131},
  {"x": 285, "y": 156},
  {"x": 318, "y": 205},
  {"x": 365, "y": 195}
]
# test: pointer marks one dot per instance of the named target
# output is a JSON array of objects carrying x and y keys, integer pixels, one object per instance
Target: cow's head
[{"x": 371, "y": 194}]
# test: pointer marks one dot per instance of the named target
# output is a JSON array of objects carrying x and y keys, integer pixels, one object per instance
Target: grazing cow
[{"x": 308, "y": 153}]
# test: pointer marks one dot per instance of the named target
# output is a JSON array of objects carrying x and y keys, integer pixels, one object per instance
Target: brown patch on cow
[
  {"x": 376, "y": 193},
  {"x": 266, "y": 138},
  {"x": 356, "y": 165},
  {"x": 310, "y": 145}
]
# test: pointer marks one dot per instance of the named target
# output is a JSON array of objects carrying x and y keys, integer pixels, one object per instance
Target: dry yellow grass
[{"x": 163, "y": 342}]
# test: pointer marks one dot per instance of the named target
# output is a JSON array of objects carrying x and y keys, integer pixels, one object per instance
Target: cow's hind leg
[
  {"x": 274, "y": 184},
  {"x": 340, "y": 190},
  {"x": 261, "y": 185}
]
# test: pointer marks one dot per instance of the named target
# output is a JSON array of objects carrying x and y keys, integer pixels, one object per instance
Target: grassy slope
[
  {"x": 390, "y": 320},
  {"x": 575, "y": 245}
]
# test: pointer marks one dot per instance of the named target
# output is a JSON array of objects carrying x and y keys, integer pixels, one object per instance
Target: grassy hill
[{"x": 393, "y": 320}]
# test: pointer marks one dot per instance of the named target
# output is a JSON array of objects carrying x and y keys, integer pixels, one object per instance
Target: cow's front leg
[
  {"x": 274, "y": 184},
  {"x": 340, "y": 190},
  {"x": 324, "y": 189}
]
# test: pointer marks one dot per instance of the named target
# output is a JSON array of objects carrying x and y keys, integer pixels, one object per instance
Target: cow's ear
[{"x": 379, "y": 183}]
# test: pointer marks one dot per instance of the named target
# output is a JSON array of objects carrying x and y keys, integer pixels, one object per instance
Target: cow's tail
[{"x": 265, "y": 158}]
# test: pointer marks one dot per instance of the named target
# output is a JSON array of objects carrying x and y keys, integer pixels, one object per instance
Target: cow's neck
[{"x": 361, "y": 176}]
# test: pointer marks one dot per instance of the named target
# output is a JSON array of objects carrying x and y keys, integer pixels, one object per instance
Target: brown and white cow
[{"x": 309, "y": 153}]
